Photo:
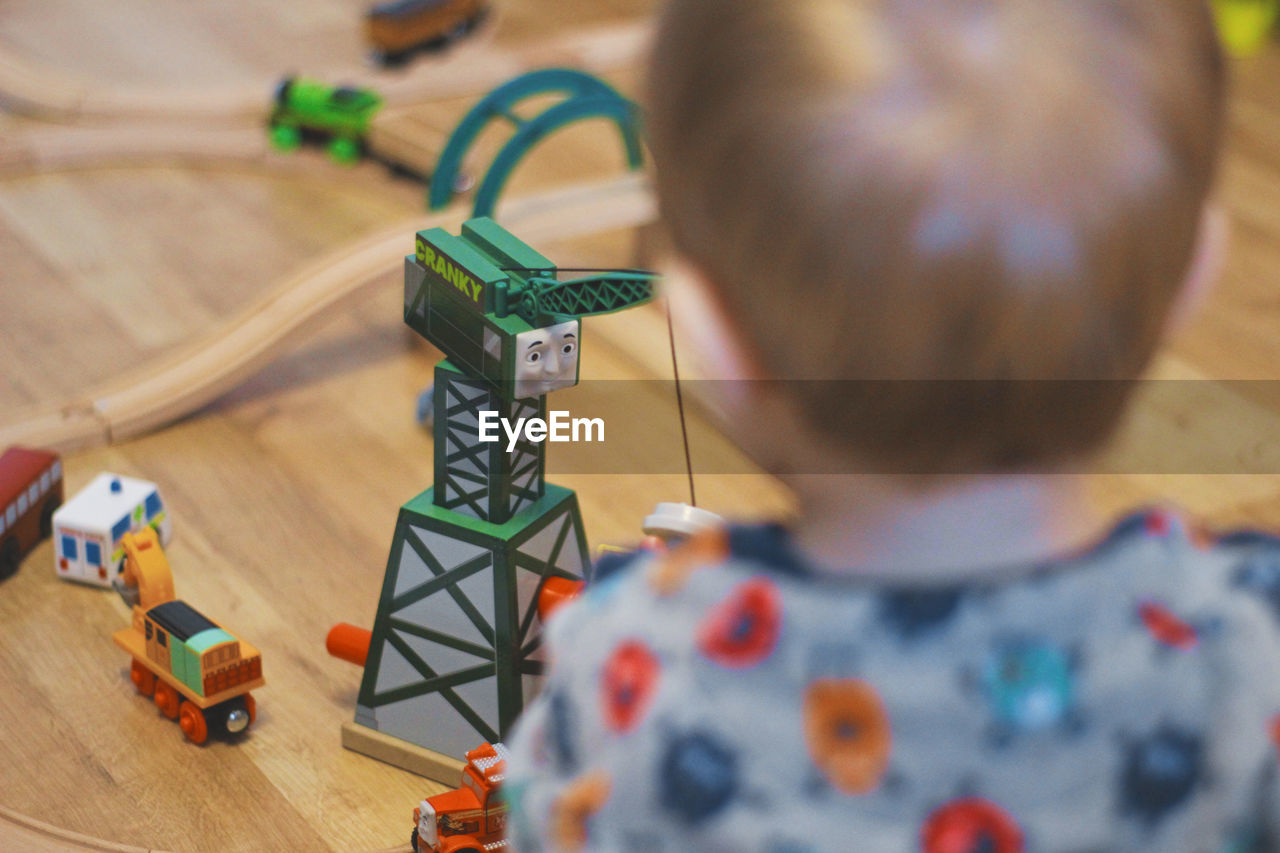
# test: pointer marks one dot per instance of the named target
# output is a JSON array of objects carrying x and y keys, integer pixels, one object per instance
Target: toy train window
[
  {"x": 148, "y": 624},
  {"x": 69, "y": 547},
  {"x": 161, "y": 637},
  {"x": 44, "y": 482},
  {"x": 22, "y": 502},
  {"x": 153, "y": 504},
  {"x": 93, "y": 553},
  {"x": 120, "y": 529},
  {"x": 222, "y": 654},
  {"x": 11, "y": 514}
]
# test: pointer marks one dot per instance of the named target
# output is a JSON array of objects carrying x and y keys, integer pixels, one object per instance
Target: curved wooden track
[
  {"x": 61, "y": 148},
  {"x": 38, "y": 91},
  {"x": 34, "y": 836},
  {"x": 46, "y": 149},
  {"x": 176, "y": 386}
]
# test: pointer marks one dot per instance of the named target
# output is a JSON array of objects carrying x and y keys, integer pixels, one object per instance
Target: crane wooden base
[{"x": 402, "y": 754}]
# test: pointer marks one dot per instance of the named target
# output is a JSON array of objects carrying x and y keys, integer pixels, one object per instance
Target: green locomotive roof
[{"x": 354, "y": 100}]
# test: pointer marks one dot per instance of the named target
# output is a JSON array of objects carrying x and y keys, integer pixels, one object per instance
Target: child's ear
[
  {"x": 703, "y": 328},
  {"x": 1206, "y": 265}
]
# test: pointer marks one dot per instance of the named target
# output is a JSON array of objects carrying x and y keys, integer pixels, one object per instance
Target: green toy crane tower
[{"x": 455, "y": 646}]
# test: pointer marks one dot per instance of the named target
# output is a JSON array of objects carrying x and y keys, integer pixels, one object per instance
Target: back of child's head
[{"x": 926, "y": 191}]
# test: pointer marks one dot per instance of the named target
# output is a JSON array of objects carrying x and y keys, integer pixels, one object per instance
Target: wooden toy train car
[
  {"x": 400, "y": 29},
  {"x": 338, "y": 116},
  {"x": 195, "y": 671},
  {"x": 472, "y": 818},
  {"x": 30, "y": 492}
]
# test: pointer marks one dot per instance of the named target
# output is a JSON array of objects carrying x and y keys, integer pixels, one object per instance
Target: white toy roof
[{"x": 96, "y": 505}]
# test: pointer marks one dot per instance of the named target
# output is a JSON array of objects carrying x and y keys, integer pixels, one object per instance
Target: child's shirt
[{"x": 723, "y": 697}]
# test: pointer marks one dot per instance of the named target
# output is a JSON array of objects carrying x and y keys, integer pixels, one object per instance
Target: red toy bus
[{"x": 30, "y": 490}]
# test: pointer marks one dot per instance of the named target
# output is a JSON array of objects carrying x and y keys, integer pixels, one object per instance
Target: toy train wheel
[
  {"x": 46, "y": 516},
  {"x": 192, "y": 722},
  {"x": 232, "y": 716},
  {"x": 413, "y": 840},
  {"x": 345, "y": 151},
  {"x": 392, "y": 59},
  {"x": 473, "y": 23},
  {"x": 167, "y": 700},
  {"x": 142, "y": 678},
  {"x": 9, "y": 557},
  {"x": 285, "y": 137}
]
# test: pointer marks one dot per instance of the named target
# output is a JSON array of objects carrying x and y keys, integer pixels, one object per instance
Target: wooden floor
[{"x": 285, "y": 492}]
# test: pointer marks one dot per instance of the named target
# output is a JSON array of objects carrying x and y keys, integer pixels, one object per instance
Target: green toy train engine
[{"x": 339, "y": 117}]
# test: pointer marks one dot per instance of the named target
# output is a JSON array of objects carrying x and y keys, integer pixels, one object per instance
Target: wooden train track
[
  {"x": 54, "y": 149},
  {"x": 159, "y": 394},
  {"x": 38, "y": 91},
  {"x": 59, "y": 148},
  {"x": 35, "y": 836}
]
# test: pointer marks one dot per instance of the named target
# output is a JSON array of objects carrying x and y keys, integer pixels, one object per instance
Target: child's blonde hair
[{"x": 941, "y": 190}]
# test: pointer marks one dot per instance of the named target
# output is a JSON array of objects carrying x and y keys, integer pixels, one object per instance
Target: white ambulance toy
[{"x": 88, "y": 528}]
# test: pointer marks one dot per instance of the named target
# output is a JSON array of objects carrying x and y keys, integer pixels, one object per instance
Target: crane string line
[{"x": 684, "y": 428}]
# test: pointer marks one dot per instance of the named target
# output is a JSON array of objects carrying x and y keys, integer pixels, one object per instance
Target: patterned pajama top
[{"x": 724, "y": 697}]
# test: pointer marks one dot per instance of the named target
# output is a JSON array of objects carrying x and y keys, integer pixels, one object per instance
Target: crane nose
[{"x": 551, "y": 363}]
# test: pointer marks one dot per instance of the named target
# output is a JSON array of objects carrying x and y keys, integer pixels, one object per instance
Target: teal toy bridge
[{"x": 585, "y": 97}]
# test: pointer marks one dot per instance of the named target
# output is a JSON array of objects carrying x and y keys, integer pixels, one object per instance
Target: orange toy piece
[
  {"x": 349, "y": 642},
  {"x": 194, "y": 670},
  {"x": 193, "y": 723},
  {"x": 555, "y": 593},
  {"x": 472, "y": 818}
]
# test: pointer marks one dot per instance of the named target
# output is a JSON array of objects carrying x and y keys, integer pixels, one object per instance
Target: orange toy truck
[
  {"x": 195, "y": 671},
  {"x": 472, "y": 819}
]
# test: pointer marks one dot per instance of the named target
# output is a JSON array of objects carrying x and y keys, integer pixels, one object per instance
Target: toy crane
[
  {"x": 455, "y": 646},
  {"x": 145, "y": 578}
]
